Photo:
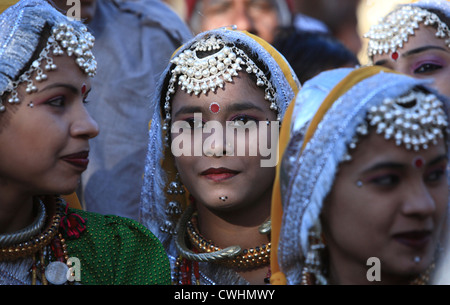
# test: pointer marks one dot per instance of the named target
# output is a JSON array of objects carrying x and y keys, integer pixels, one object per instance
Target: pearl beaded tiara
[
  {"x": 395, "y": 29},
  {"x": 414, "y": 120},
  {"x": 21, "y": 28}
]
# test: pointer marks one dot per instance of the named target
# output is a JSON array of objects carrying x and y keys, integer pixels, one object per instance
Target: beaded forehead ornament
[
  {"x": 414, "y": 120},
  {"x": 63, "y": 38},
  {"x": 203, "y": 74},
  {"x": 395, "y": 29}
]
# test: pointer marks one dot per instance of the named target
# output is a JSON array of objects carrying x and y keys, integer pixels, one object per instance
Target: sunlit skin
[
  {"x": 259, "y": 17},
  {"x": 39, "y": 137},
  {"x": 247, "y": 185},
  {"x": 396, "y": 215},
  {"x": 423, "y": 56}
]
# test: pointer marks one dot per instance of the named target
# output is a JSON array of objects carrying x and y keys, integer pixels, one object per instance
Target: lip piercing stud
[
  {"x": 223, "y": 198},
  {"x": 359, "y": 183}
]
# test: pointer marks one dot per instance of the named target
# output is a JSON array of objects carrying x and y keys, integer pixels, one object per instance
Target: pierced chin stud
[
  {"x": 214, "y": 108},
  {"x": 223, "y": 198}
]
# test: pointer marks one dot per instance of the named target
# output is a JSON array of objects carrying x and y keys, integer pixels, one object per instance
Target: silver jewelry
[
  {"x": 395, "y": 29},
  {"x": 56, "y": 273},
  {"x": 359, "y": 183},
  {"x": 414, "y": 120},
  {"x": 417, "y": 259},
  {"x": 223, "y": 198},
  {"x": 63, "y": 38},
  {"x": 28, "y": 232}
]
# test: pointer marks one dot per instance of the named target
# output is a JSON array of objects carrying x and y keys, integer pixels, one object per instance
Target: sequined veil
[
  {"x": 161, "y": 211},
  {"x": 316, "y": 147}
]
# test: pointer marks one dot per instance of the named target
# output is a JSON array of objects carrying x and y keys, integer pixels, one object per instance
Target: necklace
[
  {"x": 26, "y": 233},
  {"x": 35, "y": 243},
  {"x": 248, "y": 259}
]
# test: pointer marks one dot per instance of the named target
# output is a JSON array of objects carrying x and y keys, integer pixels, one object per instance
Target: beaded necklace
[
  {"x": 247, "y": 259},
  {"x": 48, "y": 241}
]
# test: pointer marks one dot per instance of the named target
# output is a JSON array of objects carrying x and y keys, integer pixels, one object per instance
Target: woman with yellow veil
[
  {"x": 362, "y": 189},
  {"x": 208, "y": 202}
]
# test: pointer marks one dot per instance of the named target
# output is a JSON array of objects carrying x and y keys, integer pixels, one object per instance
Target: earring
[
  {"x": 312, "y": 270},
  {"x": 176, "y": 187},
  {"x": 173, "y": 209}
]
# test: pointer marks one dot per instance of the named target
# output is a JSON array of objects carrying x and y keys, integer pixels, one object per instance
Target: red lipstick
[
  {"x": 79, "y": 159},
  {"x": 219, "y": 174}
]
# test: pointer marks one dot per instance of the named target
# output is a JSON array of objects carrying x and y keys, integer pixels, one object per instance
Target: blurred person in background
[{"x": 259, "y": 17}]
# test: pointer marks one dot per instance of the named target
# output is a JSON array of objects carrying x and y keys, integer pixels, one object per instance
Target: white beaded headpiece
[
  {"x": 22, "y": 27},
  {"x": 200, "y": 75},
  {"x": 414, "y": 120},
  {"x": 395, "y": 29}
]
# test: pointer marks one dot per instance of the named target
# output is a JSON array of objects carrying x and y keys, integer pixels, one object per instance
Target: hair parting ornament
[
  {"x": 63, "y": 38},
  {"x": 414, "y": 120},
  {"x": 395, "y": 29},
  {"x": 198, "y": 75}
]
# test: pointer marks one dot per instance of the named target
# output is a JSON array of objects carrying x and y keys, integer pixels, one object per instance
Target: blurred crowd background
[{"x": 368, "y": 13}]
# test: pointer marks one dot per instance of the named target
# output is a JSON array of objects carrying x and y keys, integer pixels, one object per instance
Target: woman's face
[
  {"x": 45, "y": 137},
  {"x": 214, "y": 177},
  {"x": 423, "y": 56},
  {"x": 388, "y": 203},
  {"x": 259, "y": 17}
]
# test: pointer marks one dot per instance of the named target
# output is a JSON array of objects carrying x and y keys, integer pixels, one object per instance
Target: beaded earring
[
  {"x": 312, "y": 270},
  {"x": 173, "y": 207}
]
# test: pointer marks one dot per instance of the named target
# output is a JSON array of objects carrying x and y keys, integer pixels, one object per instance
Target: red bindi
[
  {"x": 394, "y": 56},
  {"x": 214, "y": 107},
  {"x": 83, "y": 89},
  {"x": 418, "y": 162}
]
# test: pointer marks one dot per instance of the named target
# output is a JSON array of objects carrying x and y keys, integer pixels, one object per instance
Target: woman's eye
[
  {"x": 57, "y": 101},
  {"x": 195, "y": 123},
  {"x": 386, "y": 180},
  {"x": 435, "y": 175},
  {"x": 242, "y": 120},
  {"x": 427, "y": 68}
]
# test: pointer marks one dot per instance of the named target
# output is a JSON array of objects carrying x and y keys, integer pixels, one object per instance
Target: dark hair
[{"x": 310, "y": 53}]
